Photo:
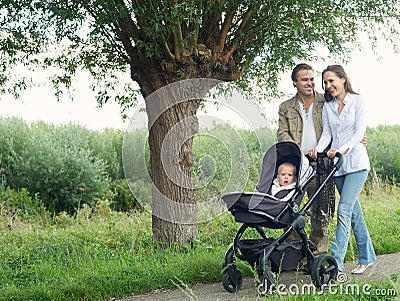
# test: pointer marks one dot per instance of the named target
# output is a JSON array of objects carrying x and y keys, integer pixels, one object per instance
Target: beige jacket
[{"x": 290, "y": 123}]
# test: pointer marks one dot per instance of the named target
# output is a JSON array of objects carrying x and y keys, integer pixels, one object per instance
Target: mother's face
[{"x": 334, "y": 84}]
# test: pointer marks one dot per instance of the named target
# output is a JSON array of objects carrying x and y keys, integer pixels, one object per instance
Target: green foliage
[
  {"x": 124, "y": 198},
  {"x": 3, "y": 182},
  {"x": 19, "y": 204},
  {"x": 384, "y": 151},
  {"x": 107, "y": 145},
  {"x": 228, "y": 159},
  {"x": 69, "y": 165},
  {"x": 52, "y": 161},
  {"x": 136, "y": 155},
  {"x": 257, "y": 38}
]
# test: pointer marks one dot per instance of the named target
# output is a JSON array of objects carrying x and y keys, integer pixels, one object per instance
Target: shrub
[
  {"x": 70, "y": 165},
  {"x": 121, "y": 197},
  {"x": 19, "y": 205},
  {"x": 66, "y": 178},
  {"x": 52, "y": 161},
  {"x": 136, "y": 155},
  {"x": 228, "y": 159},
  {"x": 384, "y": 151},
  {"x": 107, "y": 146}
]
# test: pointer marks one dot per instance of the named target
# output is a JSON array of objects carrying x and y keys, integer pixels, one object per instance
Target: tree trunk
[
  {"x": 173, "y": 206},
  {"x": 172, "y": 126}
]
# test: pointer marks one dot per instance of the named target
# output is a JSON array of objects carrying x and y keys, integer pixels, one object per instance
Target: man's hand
[{"x": 364, "y": 140}]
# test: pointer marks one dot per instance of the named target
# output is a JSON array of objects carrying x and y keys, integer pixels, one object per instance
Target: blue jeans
[{"x": 350, "y": 215}]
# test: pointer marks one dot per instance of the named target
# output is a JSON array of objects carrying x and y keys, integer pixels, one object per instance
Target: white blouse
[{"x": 346, "y": 132}]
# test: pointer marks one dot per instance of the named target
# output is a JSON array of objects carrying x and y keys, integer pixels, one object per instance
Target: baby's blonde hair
[{"x": 288, "y": 164}]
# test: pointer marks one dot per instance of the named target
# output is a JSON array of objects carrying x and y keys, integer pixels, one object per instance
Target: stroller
[{"x": 258, "y": 210}]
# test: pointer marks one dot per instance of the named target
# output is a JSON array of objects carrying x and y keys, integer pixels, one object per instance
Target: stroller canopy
[{"x": 279, "y": 153}]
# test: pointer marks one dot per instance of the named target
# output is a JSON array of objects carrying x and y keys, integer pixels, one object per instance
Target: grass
[{"x": 101, "y": 254}]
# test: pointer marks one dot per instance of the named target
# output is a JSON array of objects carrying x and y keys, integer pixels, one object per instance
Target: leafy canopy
[{"x": 251, "y": 41}]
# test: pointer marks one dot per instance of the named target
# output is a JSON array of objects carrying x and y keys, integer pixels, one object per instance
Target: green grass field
[{"x": 101, "y": 254}]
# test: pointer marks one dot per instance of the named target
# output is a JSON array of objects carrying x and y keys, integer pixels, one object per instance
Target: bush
[
  {"x": 136, "y": 156},
  {"x": 107, "y": 146},
  {"x": 53, "y": 161},
  {"x": 384, "y": 151},
  {"x": 70, "y": 165},
  {"x": 228, "y": 159},
  {"x": 19, "y": 205},
  {"x": 121, "y": 197}
]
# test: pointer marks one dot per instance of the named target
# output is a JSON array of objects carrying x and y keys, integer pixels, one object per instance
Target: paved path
[{"x": 385, "y": 266}]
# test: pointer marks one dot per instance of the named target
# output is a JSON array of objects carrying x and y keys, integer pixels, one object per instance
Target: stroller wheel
[
  {"x": 324, "y": 270},
  {"x": 232, "y": 279}
]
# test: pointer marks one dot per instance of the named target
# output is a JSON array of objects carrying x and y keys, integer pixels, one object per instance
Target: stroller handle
[
  {"x": 323, "y": 155},
  {"x": 339, "y": 162}
]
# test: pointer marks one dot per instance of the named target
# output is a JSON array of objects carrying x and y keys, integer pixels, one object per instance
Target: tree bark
[
  {"x": 173, "y": 205},
  {"x": 172, "y": 124}
]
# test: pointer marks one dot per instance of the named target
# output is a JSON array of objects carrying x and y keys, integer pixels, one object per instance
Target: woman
[{"x": 344, "y": 122}]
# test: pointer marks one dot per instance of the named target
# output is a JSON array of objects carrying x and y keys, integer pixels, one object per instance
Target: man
[{"x": 300, "y": 121}]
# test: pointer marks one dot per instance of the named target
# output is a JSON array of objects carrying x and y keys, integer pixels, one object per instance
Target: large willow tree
[{"x": 164, "y": 41}]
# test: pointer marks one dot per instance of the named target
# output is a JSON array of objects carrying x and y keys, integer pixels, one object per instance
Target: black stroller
[{"x": 260, "y": 210}]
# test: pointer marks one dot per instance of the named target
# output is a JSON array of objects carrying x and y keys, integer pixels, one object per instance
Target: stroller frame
[{"x": 272, "y": 255}]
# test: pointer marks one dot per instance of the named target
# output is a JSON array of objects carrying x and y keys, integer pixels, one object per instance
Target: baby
[{"x": 285, "y": 182}]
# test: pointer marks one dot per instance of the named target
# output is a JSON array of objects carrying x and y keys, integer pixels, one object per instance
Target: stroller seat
[{"x": 261, "y": 209}]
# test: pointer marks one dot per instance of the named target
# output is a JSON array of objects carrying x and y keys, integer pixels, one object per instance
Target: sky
[{"x": 375, "y": 77}]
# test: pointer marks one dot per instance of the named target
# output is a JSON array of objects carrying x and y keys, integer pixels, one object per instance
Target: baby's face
[{"x": 286, "y": 175}]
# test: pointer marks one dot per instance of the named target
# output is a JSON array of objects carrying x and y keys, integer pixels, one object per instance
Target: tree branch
[
  {"x": 142, "y": 28},
  {"x": 177, "y": 40},
  {"x": 224, "y": 31},
  {"x": 127, "y": 23},
  {"x": 170, "y": 56},
  {"x": 92, "y": 11},
  {"x": 238, "y": 35},
  {"x": 178, "y": 37},
  {"x": 210, "y": 21}
]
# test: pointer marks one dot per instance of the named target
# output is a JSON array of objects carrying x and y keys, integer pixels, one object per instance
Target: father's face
[{"x": 305, "y": 82}]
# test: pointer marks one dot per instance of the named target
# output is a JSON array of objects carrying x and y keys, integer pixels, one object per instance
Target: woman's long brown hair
[{"x": 339, "y": 71}]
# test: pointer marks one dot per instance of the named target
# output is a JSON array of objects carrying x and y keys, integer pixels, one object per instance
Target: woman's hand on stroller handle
[{"x": 331, "y": 153}]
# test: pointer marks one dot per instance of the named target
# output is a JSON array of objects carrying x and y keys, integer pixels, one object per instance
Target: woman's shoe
[{"x": 360, "y": 270}]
